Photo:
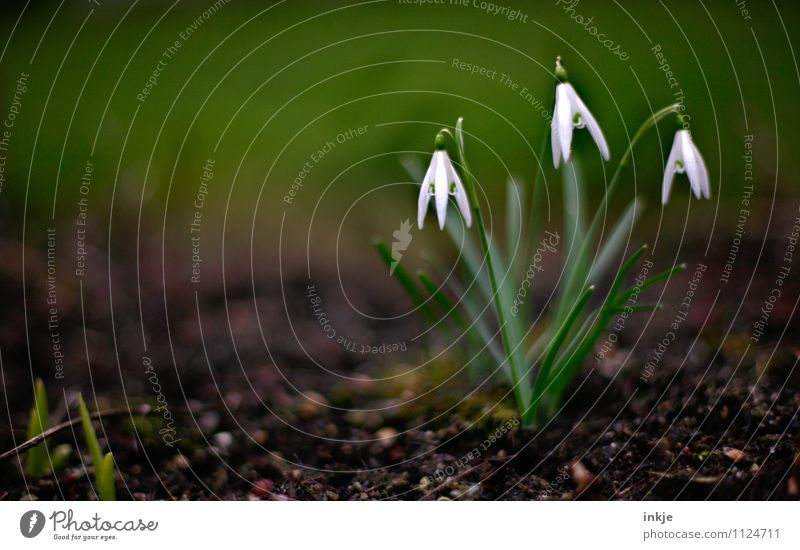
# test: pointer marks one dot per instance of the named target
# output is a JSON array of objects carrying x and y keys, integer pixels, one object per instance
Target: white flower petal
[
  {"x": 422, "y": 204},
  {"x": 591, "y": 124},
  {"x": 441, "y": 186},
  {"x": 696, "y": 169},
  {"x": 460, "y": 194},
  {"x": 563, "y": 116},
  {"x": 555, "y": 142},
  {"x": 425, "y": 193},
  {"x": 431, "y": 170},
  {"x": 690, "y": 162},
  {"x": 671, "y": 168}
]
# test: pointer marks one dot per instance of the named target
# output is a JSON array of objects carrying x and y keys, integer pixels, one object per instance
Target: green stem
[
  {"x": 530, "y": 416},
  {"x": 522, "y": 389},
  {"x": 573, "y": 277},
  {"x": 536, "y": 198}
]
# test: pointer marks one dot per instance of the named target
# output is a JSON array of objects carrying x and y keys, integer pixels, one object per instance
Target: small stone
[
  {"x": 223, "y": 440},
  {"x": 262, "y": 488},
  {"x": 734, "y": 454},
  {"x": 312, "y": 403},
  {"x": 580, "y": 475},
  {"x": 386, "y": 436},
  {"x": 792, "y": 488},
  {"x": 424, "y": 483}
]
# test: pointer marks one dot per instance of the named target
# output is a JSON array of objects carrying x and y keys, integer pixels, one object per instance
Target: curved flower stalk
[
  {"x": 685, "y": 158},
  {"x": 539, "y": 362},
  {"x": 441, "y": 181},
  {"x": 571, "y": 112}
]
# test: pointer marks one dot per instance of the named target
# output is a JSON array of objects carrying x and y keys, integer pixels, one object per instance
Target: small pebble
[
  {"x": 734, "y": 454},
  {"x": 386, "y": 436},
  {"x": 223, "y": 440},
  {"x": 580, "y": 475},
  {"x": 262, "y": 488}
]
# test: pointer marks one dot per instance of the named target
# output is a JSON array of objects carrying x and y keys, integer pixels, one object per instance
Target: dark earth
[{"x": 712, "y": 422}]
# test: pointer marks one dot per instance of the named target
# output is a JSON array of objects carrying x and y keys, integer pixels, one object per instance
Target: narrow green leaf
[
  {"x": 89, "y": 434},
  {"x": 476, "y": 313},
  {"x": 592, "y": 234},
  {"x": 562, "y": 376},
  {"x": 650, "y": 282},
  {"x": 543, "y": 376},
  {"x": 566, "y": 371},
  {"x": 36, "y": 462},
  {"x": 450, "y": 310},
  {"x": 59, "y": 456},
  {"x": 515, "y": 198},
  {"x": 472, "y": 256},
  {"x": 405, "y": 281},
  {"x": 574, "y": 213},
  {"x": 617, "y": 238},
  {"x": 104, "y": 479},
  {"x": 622, "y": 273},
  {"x": 536, "y": 212}
]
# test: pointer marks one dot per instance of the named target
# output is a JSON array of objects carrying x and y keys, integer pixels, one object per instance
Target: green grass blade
[
  {"x": 473, "y": 258},
  {"x": 475, "y": 312},
  {"x": 476, "y": 343},
  {"x": 515, "y": 198},
  {"x": 36, "y": 462},
  {"x": 405, "y": 281},
  {"x": 573, "y": 280},
  {"x": 449, "y": 309},
  {"x": 564, "y": 374},
  {"x": 622, "y": 273},
  {"x": 542, "y": 377},
  {"x": 570, "y": 363},
  {"x": 59, "y": 456},
  {"x": 104, "y": 479},
  {"x": 650, "y": 282},
  {"x": 89, "y": 434},
  {"x": 574, "y": 213},
  {"x": 617, "y": 238},
  {"x": 574, "y": 237},
  {"x": 513, "y": 323}
]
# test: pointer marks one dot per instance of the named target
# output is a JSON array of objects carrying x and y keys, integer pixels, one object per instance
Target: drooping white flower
[
  {"x": 685, "y": 158},
  {"x": 441, "y": 181},
  {"x": 571, "y": 112}
]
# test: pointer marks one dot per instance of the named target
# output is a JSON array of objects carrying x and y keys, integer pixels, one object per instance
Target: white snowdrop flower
[
  {"x": 441, "y": 181},
  {"x": 685, "y": 159},
  {"x": 571, "y": 112}
]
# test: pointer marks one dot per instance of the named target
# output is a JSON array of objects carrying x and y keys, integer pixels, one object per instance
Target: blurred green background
[{"x": 258, "y": 88}]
